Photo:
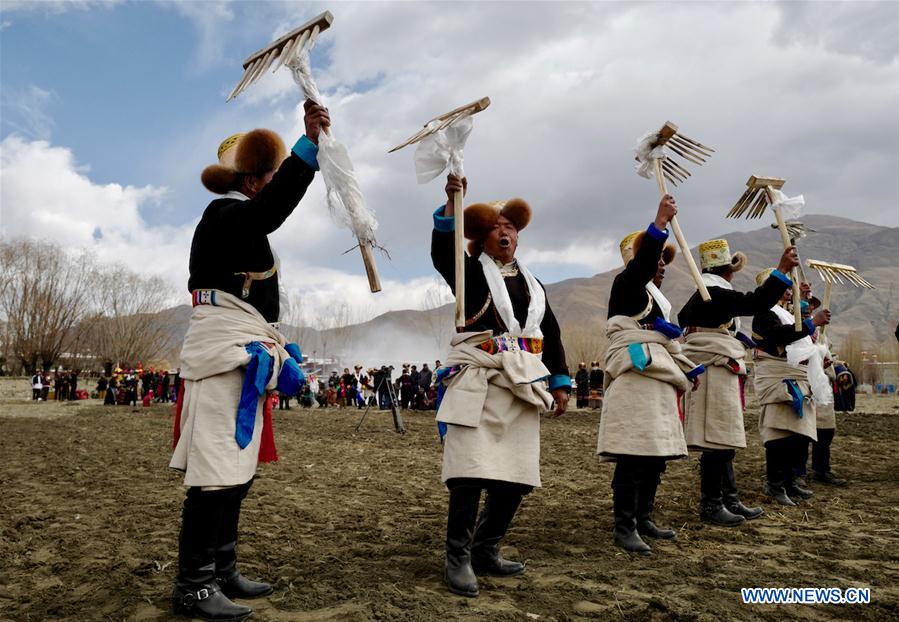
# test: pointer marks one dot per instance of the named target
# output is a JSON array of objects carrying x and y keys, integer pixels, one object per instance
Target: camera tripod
[{"x": 394, "y": 406}]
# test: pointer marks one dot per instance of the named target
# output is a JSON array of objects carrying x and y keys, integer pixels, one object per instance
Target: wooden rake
[
  {"x": 832, "y": 273},
  {"x": 280, "y": 50},
  {"x": 753, "y": 202},
  {"x": 431, "y": 127},
  {"x": 669, "y": 168}
]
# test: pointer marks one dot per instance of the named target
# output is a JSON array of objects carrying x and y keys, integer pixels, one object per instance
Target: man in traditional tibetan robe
[
  {"x": 494, "y": 385},
  {"x": 714, "y": 412},
  {"x": 789, "y": 372},
  {"x": 645, "y": 375},
  {"x": 232, "y": 357}
]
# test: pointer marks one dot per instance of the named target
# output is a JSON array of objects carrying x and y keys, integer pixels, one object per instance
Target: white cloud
[
  {"x": 55, "y": 7},
  {"x": 25, "y": 111},
  {"x": 778, "y": 89},
  {"x": 46, "y": 194},
  {"x": 210, "y": 18},
  {"x": 598, "y": 256}
]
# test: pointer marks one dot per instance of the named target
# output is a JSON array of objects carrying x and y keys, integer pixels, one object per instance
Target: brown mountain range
[{"x": 581, "y": 303}]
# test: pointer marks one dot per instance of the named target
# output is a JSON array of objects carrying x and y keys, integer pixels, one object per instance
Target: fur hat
[
  {"x": 762, "y": 276},
  {"x": 715, "y": 253},
  {"x": 631, "y": 244},
  {"x": 480, "y": 219},
  {"x": 254, "y": 153}
]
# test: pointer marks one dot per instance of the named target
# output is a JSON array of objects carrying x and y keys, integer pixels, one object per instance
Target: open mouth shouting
[{"x": 505, "y": 241}]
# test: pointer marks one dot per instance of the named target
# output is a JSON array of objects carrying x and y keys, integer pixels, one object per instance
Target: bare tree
[
  {"x": 126, "y": 327},
  {"x": 294, "y": 324},
  {"x": 583, "y": 343},
  {"x": 44, "y": 298}
]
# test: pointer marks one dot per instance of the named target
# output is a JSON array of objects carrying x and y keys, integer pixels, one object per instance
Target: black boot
[
  {"x": 463, "y": 514},
  {"x": 646, "y": 498},
  {"x": 732, "y": 498},
  {"x": 624, "y": 497},
  {"x": 776, "y": 470},
  {"x": 232, "y": 583},
  {"x": 196, "y": 592},
  {"x": 499, "y": 509},
  {"x": 711, "y": 505},
  {"x": 795, "y": 488},
  {"x": 828, "y": 478}
]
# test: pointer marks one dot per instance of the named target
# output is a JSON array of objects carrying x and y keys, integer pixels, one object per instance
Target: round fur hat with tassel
[
  {"x": 256, "y": 152},
  {"x": 480, "y": 218}
]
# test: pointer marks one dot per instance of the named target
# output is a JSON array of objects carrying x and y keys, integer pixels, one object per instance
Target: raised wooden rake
[
  {"x": 832, "y": 273},
  {"x": 280, "y": 50},
  {"x": 432, "y": 127},
  {"x": 752, "y": 203},
  {"x": 667, "y": 167}
]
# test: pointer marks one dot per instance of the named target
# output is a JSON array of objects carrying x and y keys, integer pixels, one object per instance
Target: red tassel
[
  {"x": 176, "y": 431},
  {"x": 742, "y": 393},
  {"x": 680, "y": 405},
  {"x": 267, "y": 451}
]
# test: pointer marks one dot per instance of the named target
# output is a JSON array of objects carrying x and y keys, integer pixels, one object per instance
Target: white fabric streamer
[
  {"x": 441, "y": 149},
  {"x": 646, "y": 154},
  {"x": 661, "y": 300},
  {"x": 790, "y": 207},
  {"x": 345, "y": 201},
  {"x": 500, "y": 295},
  {"x": 806, "y": 349}
]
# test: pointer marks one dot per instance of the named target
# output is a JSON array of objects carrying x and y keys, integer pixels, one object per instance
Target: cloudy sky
[{"x": 110, "y": 110}]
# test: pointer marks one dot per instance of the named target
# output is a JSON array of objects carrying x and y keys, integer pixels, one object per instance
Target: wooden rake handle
[
  {"x": 365, "y": 247},
  {"x": 794, "y": 274},
  {"x": 459, "y": 245},
  {"x": 681, "y": 240},
  {"x": 825, "y": 304}
]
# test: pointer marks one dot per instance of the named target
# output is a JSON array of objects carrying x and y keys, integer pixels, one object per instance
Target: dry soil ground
[{"x": 349, "y": 526}]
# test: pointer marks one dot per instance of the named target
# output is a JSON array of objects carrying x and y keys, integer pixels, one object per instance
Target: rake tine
[
  {"x": 258, "y": 72},
  {"x": 758, "y": 208},
  {"x": 284, "y": 55},
  {"x": 680, "y": 169},
  {"x": 666, "y": 166},
  {"x": 855, "y": 278},
  {"x": 683, "y": 154},
  {"x": 746, "y": 200},
  {"x": 240, "y": 83},
  {"x": 290, "y": 49},
  {"x": 671, "y": 179},
  {"x": 313, "y": 36},
  {"x": 250, "y": 76},
  {"x": 735, "y": 211},
  {"x": 269, "y": 59},
  {"x": 696, "y": 144},
  {"x": 689, "y": 148}
]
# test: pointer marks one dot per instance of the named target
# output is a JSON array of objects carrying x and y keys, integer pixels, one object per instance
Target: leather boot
[
  {"x": 646, "y": 498},
  {"x": 624, "y": 498},
  {"x": 796, "y": 490},
  {"x": 711, "y": 505},
  {"x": 774, "y": 468},
  {"x": 732, "y": 498},
  {"x": 232, "y": 583},
  {"x": 460, "y": 524},
  {"x": 499, "y": 509},
  {"x": 828, "y": 478},
  {"x": 196, "y": 592}
]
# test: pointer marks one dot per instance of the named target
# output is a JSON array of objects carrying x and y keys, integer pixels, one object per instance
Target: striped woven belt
[
  {"x": 203, "y": 297},
  {"x": 512, "y": 344}
]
